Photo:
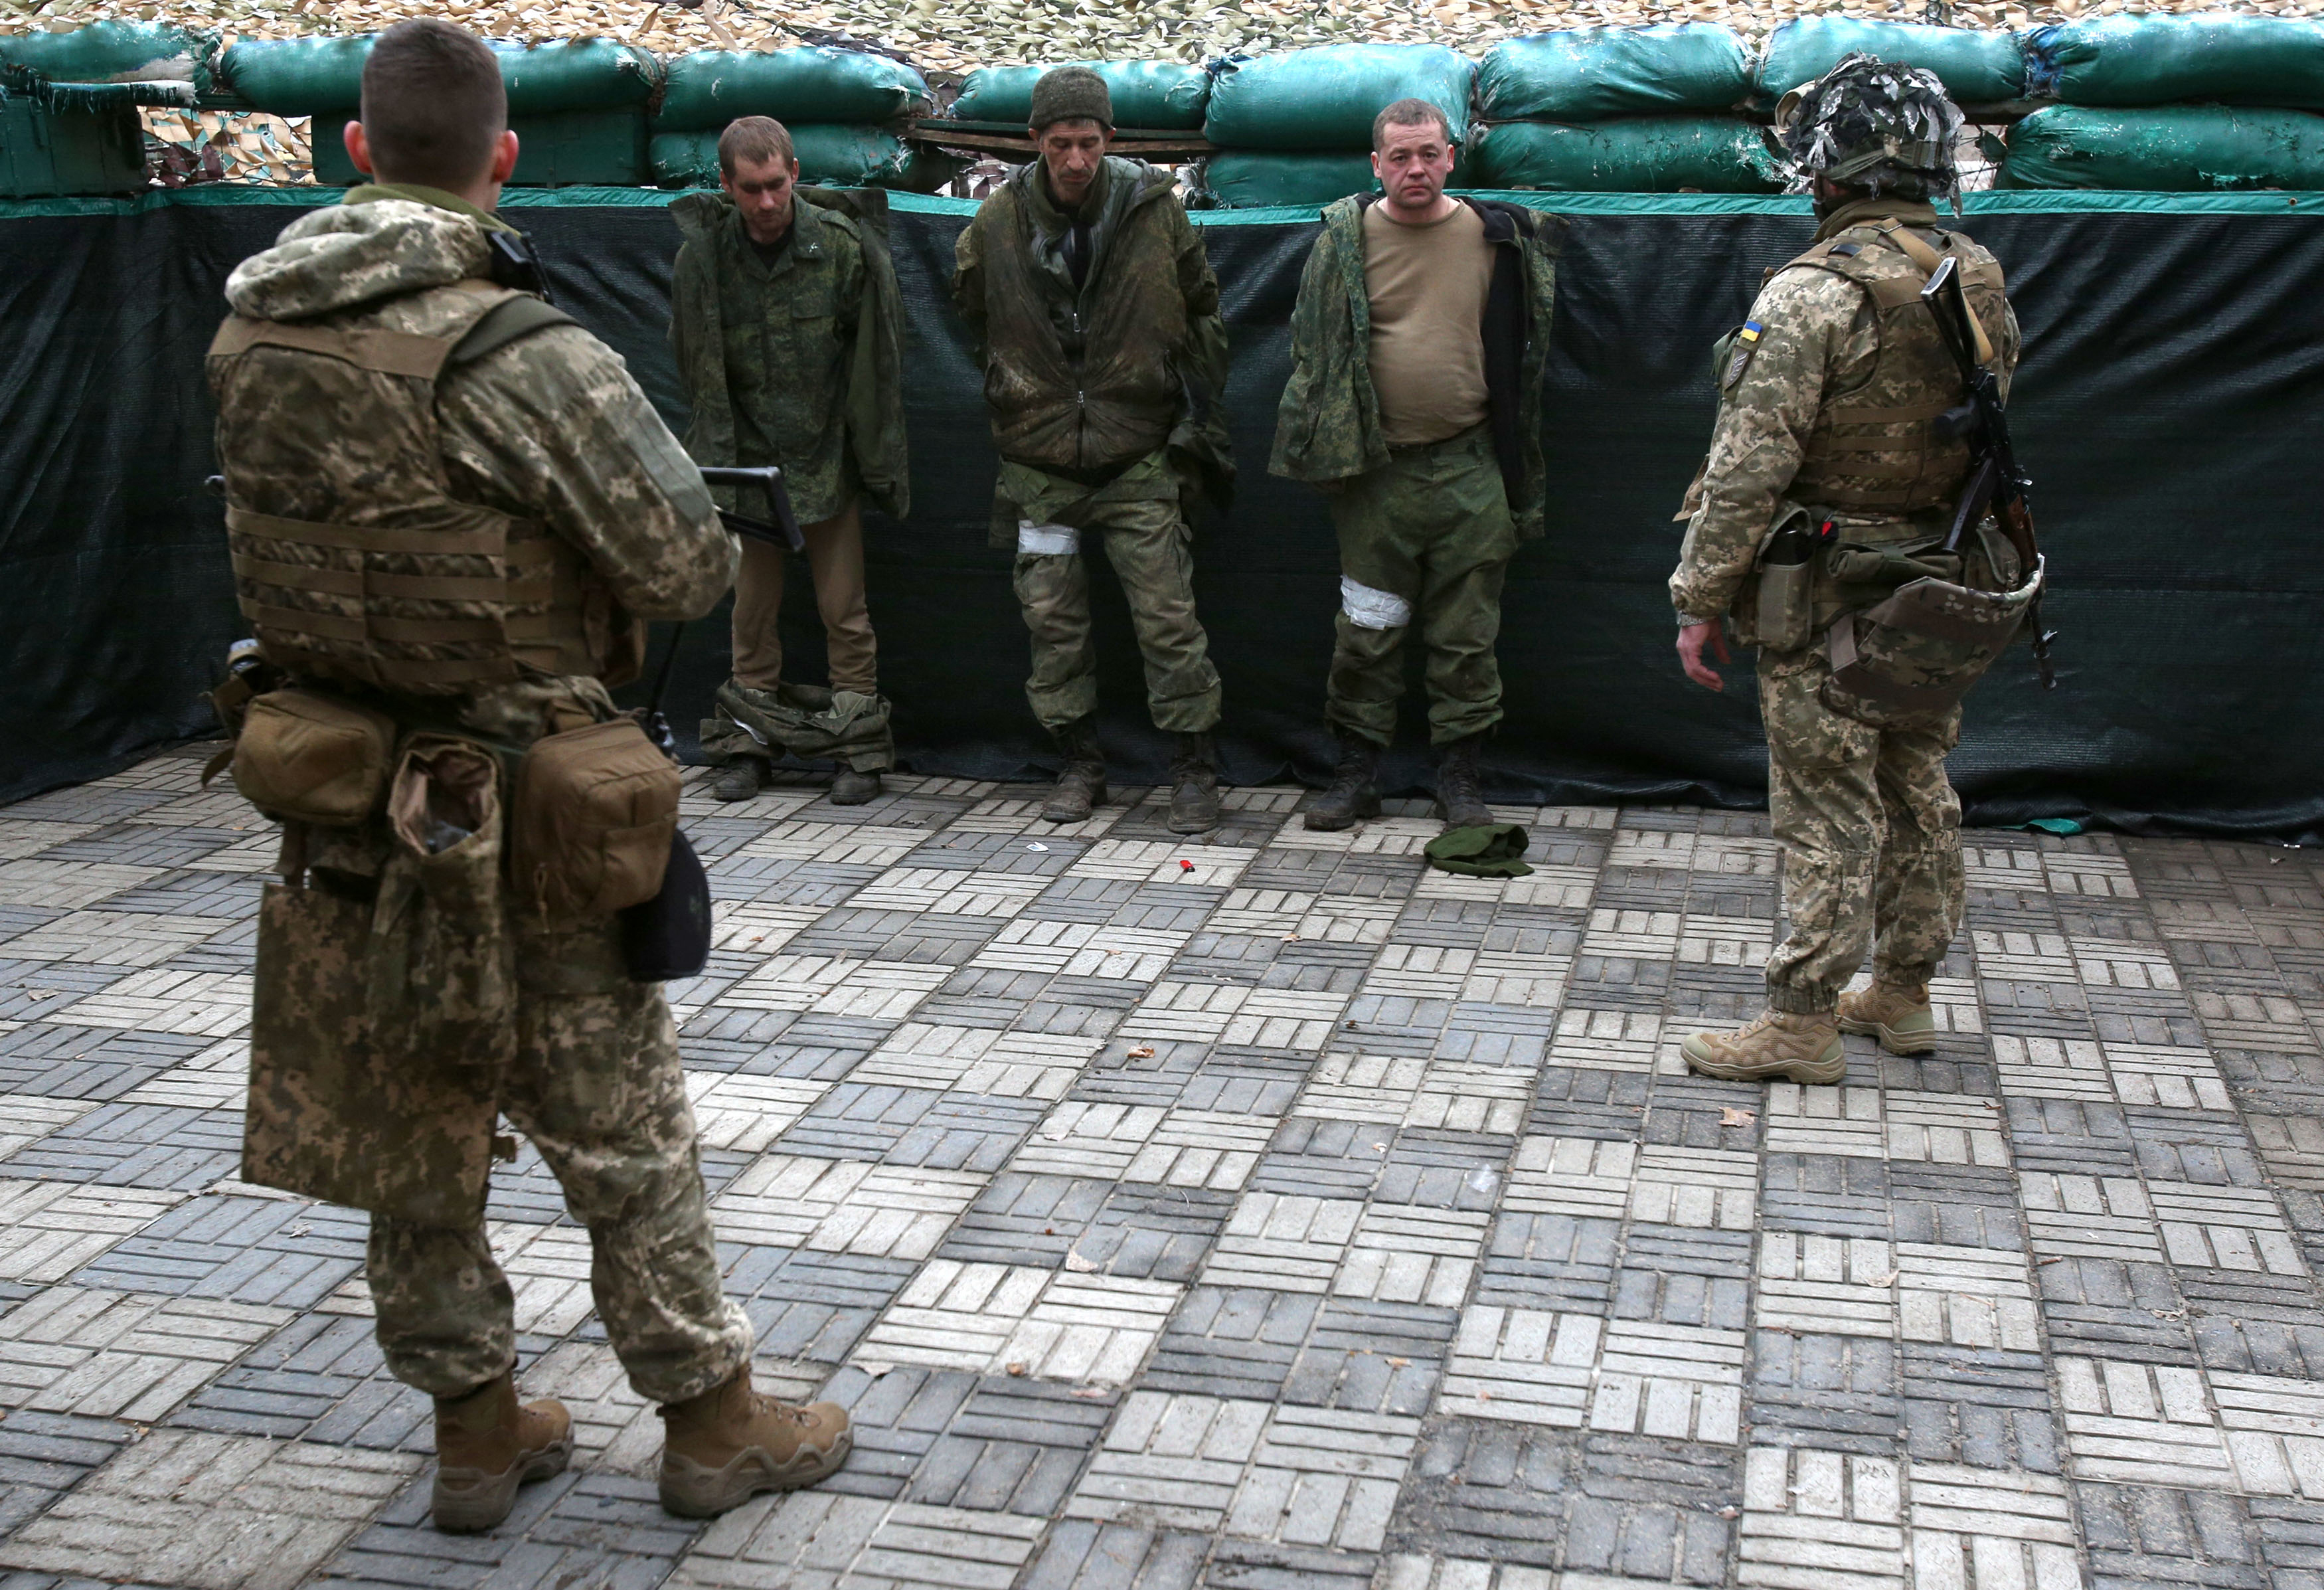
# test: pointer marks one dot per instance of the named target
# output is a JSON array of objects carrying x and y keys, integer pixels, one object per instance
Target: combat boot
[
  {"x": 1352, "y": 795},
  {"x": 1779, "y": 1046},
  {"x": 726, "y": 1446},
  {"x": 1194, "y": 785},
  {"x": 1460, "y": 794},
  {"x": 739, "y": 779},
  {"x": 486, "y": 1446},
  {"x": 850, "y": 788},
  {"x": 1081, "y": 786},
  {"x": 1895, "y": 1012}
]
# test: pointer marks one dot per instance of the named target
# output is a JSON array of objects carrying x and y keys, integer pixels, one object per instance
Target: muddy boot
[
  {"x": 1194, "y": 785},
  {"x": 739, "y": 780},
  {"x": 1779, "y": 1046},
  {"x": 851, "y": 787},
  {"x": 486, "y": 1446},
  {"x": 726, "y": 1446},
  {"x": 1897, "y": 1013},
  {"x": 1081, "y": 787},
  {"x": 1460, "y": 796},
  {"x": 1350, "y": 796}
]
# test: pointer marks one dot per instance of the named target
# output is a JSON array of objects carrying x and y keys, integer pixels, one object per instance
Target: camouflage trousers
[
  {"x": 1424, "y": 541},
  {"x": 1870, "y": 830},
  {"x": 1152, "y": 549},
  {"x": 596, "y": 1088}
]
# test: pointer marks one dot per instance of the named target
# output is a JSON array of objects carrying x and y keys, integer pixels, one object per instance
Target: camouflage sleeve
[
  {"x": 1767, "y": 407},
  {"x": 1206, "y": 327},
  {"x": 968, "y": 281},
  {"x": 681, "y": 305},
  {"x": 552, "y": 428}
]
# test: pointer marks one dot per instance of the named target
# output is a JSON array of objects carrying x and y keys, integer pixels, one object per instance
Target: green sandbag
[
  {"x": 712, "y": 87},
  {"x": 1977, "y": 67},
  {"x": 1635, "y": 154},
  {"x": 1585, "y": 74},
  {"x": 2154, "y": 59},
  {"x": 2167, "y": 149},
  {"x": 1160, "y": 93},
  {"x": 1251, "y": 179},
  {"x": 837, "y": 156},
  {"x": 112, "y": 52},
  {"x": 1327, "y": 98},
  {"x": 323, "y": 77}
]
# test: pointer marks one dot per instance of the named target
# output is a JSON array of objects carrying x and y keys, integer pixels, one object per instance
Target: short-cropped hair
[
  {"x": 756, "y": 139},
  {"x": 1409, "y": 113},
  {"x": 433, "y": 103}
]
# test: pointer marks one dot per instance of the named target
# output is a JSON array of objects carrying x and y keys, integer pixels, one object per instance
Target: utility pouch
[
  {"x": 310, "y": 758},
  {"x": 1908, "y": 661},
  {"x": 594, "y": 813},
  {"x": 668, "y": 937},
  {"x": 1785, "y": 609}
]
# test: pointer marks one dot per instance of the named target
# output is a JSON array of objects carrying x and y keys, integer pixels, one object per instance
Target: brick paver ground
[{"x": 1260, "y": 1213}]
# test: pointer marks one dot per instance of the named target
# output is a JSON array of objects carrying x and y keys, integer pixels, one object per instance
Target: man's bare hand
[{"x": 1693, "y": 642}]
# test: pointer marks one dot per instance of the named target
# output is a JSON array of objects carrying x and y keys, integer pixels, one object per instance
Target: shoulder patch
[{"x": 1747, "y": 343}]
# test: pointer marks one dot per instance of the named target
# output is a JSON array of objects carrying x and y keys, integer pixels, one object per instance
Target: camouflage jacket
[
  {"x": 550, "y": 428},
  {"x": 801, "y": 360},
  {"x": 1086, "y": 383},
  {"x": 1327, "y": 427},
  {"x": 1814, "y": 351}
]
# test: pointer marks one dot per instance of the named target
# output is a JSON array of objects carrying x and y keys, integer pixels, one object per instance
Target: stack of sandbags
[
  {"x": 1977, "y": 67},
  {"x": 70, "y": 102},
  {"x": 1296, "y": 128},
  {"x": 847, "y": 112},
  {"x": 2173, "y": 103},
  {"x": 1613, "y": 109},
  {"x": 1148, "y": 95},
  {"x": 577, "y": 107}
]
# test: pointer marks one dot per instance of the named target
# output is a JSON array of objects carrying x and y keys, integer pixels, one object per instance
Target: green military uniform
[
  {"x": 546, "y": 442},
  {"x": 1830, "y": 400},
  {"x": 1103, "y": 389}
]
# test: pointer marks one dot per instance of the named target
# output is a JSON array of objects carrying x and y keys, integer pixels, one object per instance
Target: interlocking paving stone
[{"x": 1301, "y": 1218}]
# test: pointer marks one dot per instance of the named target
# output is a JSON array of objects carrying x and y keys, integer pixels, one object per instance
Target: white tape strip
[
  {"x": 1046, "y": 540},
  {"x": 1370, "y": 609}
]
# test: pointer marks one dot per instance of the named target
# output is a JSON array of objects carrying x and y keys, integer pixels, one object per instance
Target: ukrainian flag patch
[{"x": 1747, "y": 343}]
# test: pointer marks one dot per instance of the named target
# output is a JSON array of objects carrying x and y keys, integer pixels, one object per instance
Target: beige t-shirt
[{"x": 1427, "y": 286}]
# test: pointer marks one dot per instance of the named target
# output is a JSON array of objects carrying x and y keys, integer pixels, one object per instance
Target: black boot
[
  {"x": 739, "y": 780},
  {"x": 1194, "y": 785},
  {"x": 851, "y": 787},
  {"x": 1352, "y": 795},
  {"x": 1081, "y": 786},
  {"x": 1460, "y": 798}
]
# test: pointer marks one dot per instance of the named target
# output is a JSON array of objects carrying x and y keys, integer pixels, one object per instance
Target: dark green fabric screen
[{"x": 2167, "y": 408}]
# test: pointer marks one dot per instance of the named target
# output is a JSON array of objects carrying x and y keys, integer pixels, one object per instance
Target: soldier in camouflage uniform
[
  {"x": 789, "y": 335},
  {"x": 1831, "y": 399},
  {"x": 343, "y": 423},
  {"x": 1097, "y": 322},
  {"x": 1417, "y": 348}
]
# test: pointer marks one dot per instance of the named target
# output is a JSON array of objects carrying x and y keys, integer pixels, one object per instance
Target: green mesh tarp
[{"x": 2174, "y": 364}]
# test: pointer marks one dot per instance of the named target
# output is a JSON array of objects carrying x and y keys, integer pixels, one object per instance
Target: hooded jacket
[
  {"x": 1327, "y": 427},
  {"x": 814, "y": 358}
]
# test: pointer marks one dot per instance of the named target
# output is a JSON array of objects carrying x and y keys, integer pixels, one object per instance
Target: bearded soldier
[
  {"x": 1097, "y": 323},
  {"x": 449, "y": 508},
  {"x": 1836, "y": 467}
]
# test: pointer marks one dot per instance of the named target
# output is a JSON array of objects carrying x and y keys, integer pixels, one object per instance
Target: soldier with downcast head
[
  {"x": 787, "y": 329},
  {"x": 1424, "y": 430},
  {"x": 1831, "y": 482},
  {"x": 1096, "y": 319},
  {"x": 450, "y": 509}
]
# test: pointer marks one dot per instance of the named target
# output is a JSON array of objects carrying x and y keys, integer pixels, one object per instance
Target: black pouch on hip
[{"x": 668, "y": 937}]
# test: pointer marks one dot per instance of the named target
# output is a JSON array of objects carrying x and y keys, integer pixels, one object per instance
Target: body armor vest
[
  {"x": 1882, "y": 449},
  {"x": 351, "y": 560}
]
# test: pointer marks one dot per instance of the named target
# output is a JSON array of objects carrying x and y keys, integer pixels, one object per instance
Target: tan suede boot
[
  {"x": 486, "y": 1446},
  {"x": 1896, "y": 1014},
  {"x": 724, "y": 1447},
  {"x": 1777, "y": 1047}
]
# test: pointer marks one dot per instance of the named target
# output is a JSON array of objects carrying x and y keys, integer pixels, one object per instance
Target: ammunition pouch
[
  {"x": 304, "y": 757},
  {"x": 595, "y": 814},
  {"x": 1908, "y": 661},
  {"x": 804, "y": 721}
]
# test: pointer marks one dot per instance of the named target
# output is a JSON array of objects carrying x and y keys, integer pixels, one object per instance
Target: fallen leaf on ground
[
  {"x": 1731, "y": 1116},
  {"x": 1079, "y": 1265},
  {"x": 1144, "y": 1052}
]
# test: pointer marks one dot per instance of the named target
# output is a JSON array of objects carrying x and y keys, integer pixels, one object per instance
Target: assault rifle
[
  {"x": 1995, "y": 483},
  {"x": 783, "y": 530}
]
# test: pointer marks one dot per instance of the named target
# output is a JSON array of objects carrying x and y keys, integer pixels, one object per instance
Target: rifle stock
[{"x": 784, "y": 530}]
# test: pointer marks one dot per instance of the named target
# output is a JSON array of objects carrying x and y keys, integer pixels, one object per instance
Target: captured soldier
[
  {"x": 1834, "y": 481},
  {"x": 1424, "y": 435},
  {"x": 1096, "y": 320},
  {"x": 450, "y": 510},
  {"x": 788, "y": 334}
]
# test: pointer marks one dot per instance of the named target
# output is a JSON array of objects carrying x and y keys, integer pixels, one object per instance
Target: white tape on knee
[
  {"x": 1370, "y": 609},
  {"x": 1046, "y": 540}
]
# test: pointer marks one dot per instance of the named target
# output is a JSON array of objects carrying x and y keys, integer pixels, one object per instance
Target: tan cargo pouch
[
  {"x": 381, "y": 1027},
  {"x": 1908, "y": 661},
  {"x": 308, "y": 758},
  {"x": 594, "y": 813}
]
